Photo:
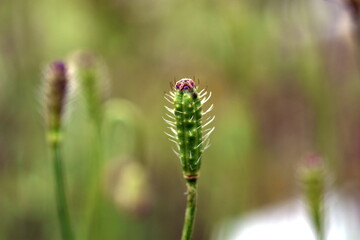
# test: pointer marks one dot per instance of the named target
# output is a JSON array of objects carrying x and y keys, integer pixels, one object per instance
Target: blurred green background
[{"x": 284, "y": 80}]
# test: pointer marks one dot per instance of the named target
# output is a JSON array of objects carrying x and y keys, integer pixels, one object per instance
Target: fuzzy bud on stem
[
  {"x": 90, "y": 74},
  {"x": 56, "y": 89}
]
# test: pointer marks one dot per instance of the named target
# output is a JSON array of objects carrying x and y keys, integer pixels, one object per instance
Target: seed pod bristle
[{"x": 187, "y": 126}]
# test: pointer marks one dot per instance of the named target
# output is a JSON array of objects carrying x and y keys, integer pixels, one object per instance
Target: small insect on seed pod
[{"x": 189, "y": 130}]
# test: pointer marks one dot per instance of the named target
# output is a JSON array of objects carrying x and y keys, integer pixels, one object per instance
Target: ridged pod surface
[{"x": 187, "y": 125}]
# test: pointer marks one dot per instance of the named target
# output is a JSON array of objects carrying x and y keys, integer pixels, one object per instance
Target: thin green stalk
[
  {"x": 60, "y": 191},
  {"x": 189, "y": 220},
  {"x": 317, "y": 216},
  {"x": 94, "y": 200}
]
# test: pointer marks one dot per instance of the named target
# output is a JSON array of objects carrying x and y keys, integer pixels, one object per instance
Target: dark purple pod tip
[
  {"x": 59, "y": 66},
  {"x": 185, "y": 84}
]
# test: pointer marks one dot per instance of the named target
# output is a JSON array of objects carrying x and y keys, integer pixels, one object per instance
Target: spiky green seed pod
[
  {"x": 188, "y": 129},
  {"x": 55, "y": 91}
]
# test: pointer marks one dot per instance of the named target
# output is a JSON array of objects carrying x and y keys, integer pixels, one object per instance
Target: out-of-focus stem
[
  {"x": 60, "y": 191},
  {"x": 317, "y": 217},
  {"x": 93, "y": 200}
]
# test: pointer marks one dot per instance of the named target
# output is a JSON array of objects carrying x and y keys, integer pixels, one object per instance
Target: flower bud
[{"x": 90, "y": 75}]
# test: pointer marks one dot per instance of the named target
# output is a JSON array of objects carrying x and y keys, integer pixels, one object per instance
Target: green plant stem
[
  {"x": 317, "y": 218},
  {"x": 93, "y": 196},
  {"x": 60, "y": 191},
  {"x": 189, "y": 220}
]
